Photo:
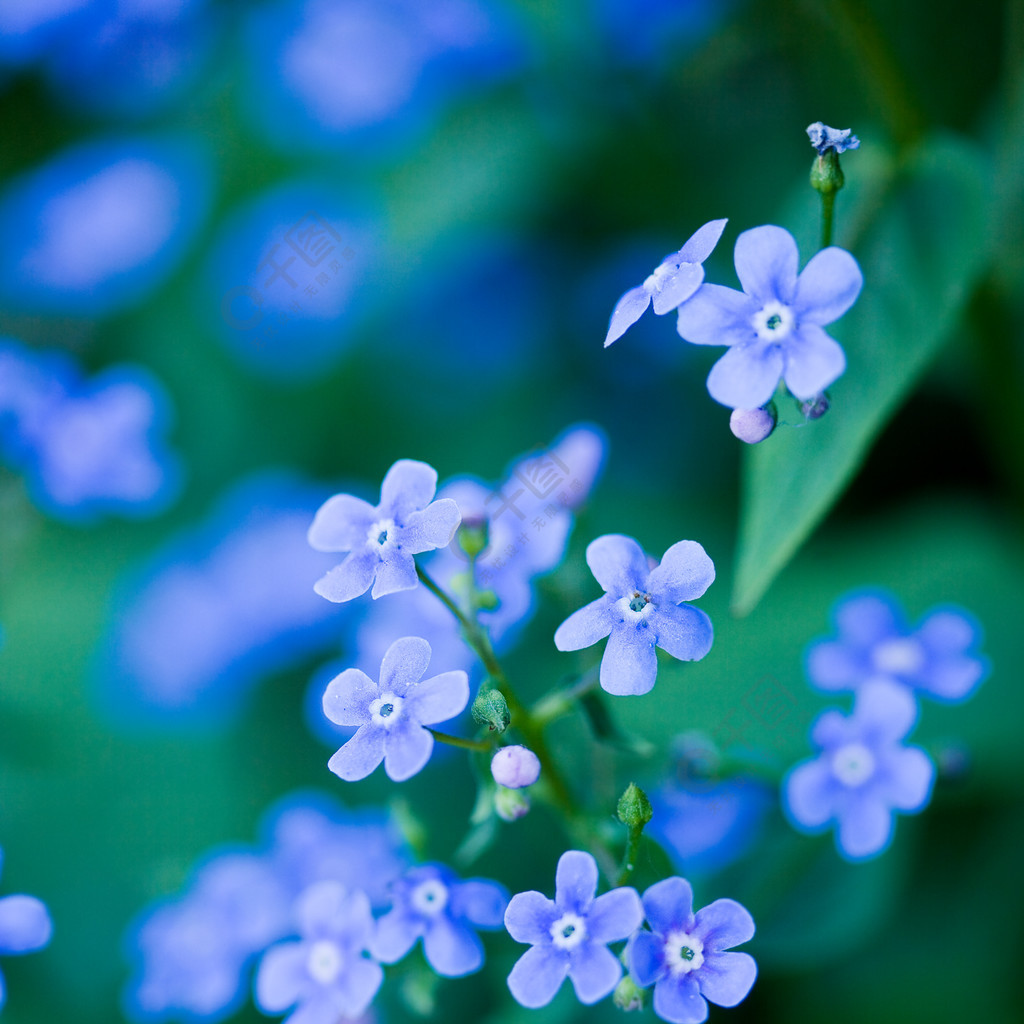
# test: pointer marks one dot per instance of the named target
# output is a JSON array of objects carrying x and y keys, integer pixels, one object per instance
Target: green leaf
[{"x": 922, "y": 247}]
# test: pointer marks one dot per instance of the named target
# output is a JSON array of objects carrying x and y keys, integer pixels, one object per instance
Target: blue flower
[
  {"x": 684, "y": 954},
  {"x": 25, "y": 926},
  {"x": 824, "y": 138},
  {"x": 674, "y": 280},
  {"x": 383, "y": 539},
  {"x": 327, "y": 974},
  {"x": 430, "y": 902},
  {"x": 938, "y": 658},
  {"x": 774, "y": 326},
  {"x": 569, "y": 935},
  {"x": 641, "y": 609},
  {"x": 863, "y": 773},
  {"x": 392, "y": 714}
]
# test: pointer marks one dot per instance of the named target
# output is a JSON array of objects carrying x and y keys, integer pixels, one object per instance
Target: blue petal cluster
[
  {"x": 938, "y": 657},
  {"x": 824, "y": 138},
  {"x": 392, "y": 715},
  {"x": 25, "y": 926},
  {"x": 685, "y": 955},
  {"x": 431, "y": 903},
  {"x": 381, "y": 540},
  {"x": 87, "y": 447},
  {"x": 774, "y": 327},
  {"x": 864, "y": 772},
  {"x": 673, "y": 281},
  {"x": 569, "y": 935},
  {"x": 642, "y": 608}
]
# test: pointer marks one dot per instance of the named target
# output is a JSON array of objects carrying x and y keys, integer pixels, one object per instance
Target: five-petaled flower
[
  {"x": 938, "y": 658},
  {"x": 674, "y": 280},
  {"x": 569, "y": 935},
  {"x": 641, "y": 609},
  {"x": 430, "y": 902},
  {"x": 863, "y": 773},
  {"x": 327, "y": 974},
  {"x": 774, "y": 326},
  {"x": 382, "y": 540},
  {"x": 824, "y": 138},
  {"x": 391, "y": 715},
  {"x": 684, "y": 954}
]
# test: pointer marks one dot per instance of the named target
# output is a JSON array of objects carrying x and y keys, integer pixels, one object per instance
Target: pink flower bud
[{"x": 515, "y": 767}]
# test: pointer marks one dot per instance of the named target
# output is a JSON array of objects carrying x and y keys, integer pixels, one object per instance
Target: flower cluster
[
  {"x": 864, "y": 771},
  {"x": 87, "y": 448}
]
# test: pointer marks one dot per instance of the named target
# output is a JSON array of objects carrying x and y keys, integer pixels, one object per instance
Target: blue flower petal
[
  {"x": 678, "y": 288},
  {"x": 699, "y": 246},
  {"x": 627, "y": 311},
  {"x": 586, "y": 626},
  {"x": 440, "y": 698},
  {"x": 618, "y": 564},
  {"x": 407, "y": 749},
  {"x": 669, "y": 905},
  {"x": 529, "y": 917},
  {"x": 684, "y": 631},
  {"x": 537, "y": 976},
  {"x": 360, "y": 755},
  {"x": 629, "y": 664},
  {"x": 481, "y": 903},
  {"x": 646, "y": 958},
  {"x": 746, "y": 376},
  {"x": 684, "y": 574},
  {"x": 25, "y": 924},
  {"x": 349, "y": 579},
  {"x": 885, "y": 711},
  {"x": 865, "y": 826},
  {"x": 452, "y": 949},
  {"x": 396, "y": 933},
  {"x": 575, "y": 882},
  {"x": 716, "y": 315},
  {"x": 594, "y": 971},
  {"x": 403, "y": 664},
  {"x": 813, "y": 361},
  {"x": 348, "y": 696},
  {"x": 727, "y": 978},
  {"x": 865, "y": 619},
  {"x": 678, "y": 1000},
  {"x": 724, "y": 924},
  {"x": 408, "y": 486},
  {"x": 396, "y": 571},
  {"x": 342, "y": 523},
  {"x": 909, "y": 774},
  {"x": 353, "y": 991},
  {"x": 430, "y": 528},
  {"x": 282, "y": 977},
  {"x": 615, "y": 915},
  {"x": 808, "y": 795},
  {"x": 832, "y": 665},
  {"x": 766, "y": 264},
  {"x": 827, "y": 287}
]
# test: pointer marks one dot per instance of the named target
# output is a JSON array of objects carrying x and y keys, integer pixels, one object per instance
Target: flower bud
[
  {"x": 753, "y": 425},
  {"x": 628, "y": 995},
  {"x": 826, "y": 174},
  {"x": 491, "y": 709},
  {"x": 634, "y": 808},
  {"x": 473, "y": 536},
  {"x": 515, "y": 767},
  {"x": 815, "y": 408},
  {"x": 510, "y": 804}
]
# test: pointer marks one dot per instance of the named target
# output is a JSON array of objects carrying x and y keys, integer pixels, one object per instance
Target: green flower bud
[
  {"x": 826, "y": 174},
  {"x": 628, "y": 995},
  {"x": 491, "y": 709},
  {"x": 510, "y": 804},
  {"x": 634, "y": 808},
  {"x": 473, "y": 536}
]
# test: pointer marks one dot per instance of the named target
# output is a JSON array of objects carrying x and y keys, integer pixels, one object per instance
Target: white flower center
[
  {"x": 568, "y": 931},
  {"x": 382, "y": 533},
  {"x": 683, "y": 952},
  {"x": 773, "y": 322},
  {"x": 901, "y": 656},
  {"x": 656, "y": 281},
  {"x": 636, "y": 605},
  {"x": 386, "y": 709},
  {"x": 853, "y": 764},
  {"x": 325, "y": 962},
  {"x": 430, "y": 898}
]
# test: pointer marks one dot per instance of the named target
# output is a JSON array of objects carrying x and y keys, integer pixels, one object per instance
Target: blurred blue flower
[
  {"x": 774, "y": 326},
  {"x": 290, "y": 277},
  {"x": 218, "y": 609},
  {"x": 432, "y": 903},
  {"x": 863, "y": 773},
  {"x": 101, "y": 225},
  {"x": 86, "y": 448},
  {"x": 191, "y": 955},
  {"x": 25, "y": 927},
  {"x": 367, "y": 74},
  {"x": 673, "y": 281},
  {"x": 30, "y": 29},
  {"x": 824, "y": 138},
  {"x": 684, "y": 955},
  {"x": 648, "y": 33},
  {"x": 392, "y": 714},
  {"x": 326, "y": 974},
  {"x": 939, "y": 657},
  {"x": 569, "y": 935},
  {"x": 380, "y": 540},
  {"x": 641, "y": 609}
]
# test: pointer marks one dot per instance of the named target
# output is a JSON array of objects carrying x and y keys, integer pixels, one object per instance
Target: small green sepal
[
  {"x": 634, "y": 808},
  {"x": 491, "y": 709}
]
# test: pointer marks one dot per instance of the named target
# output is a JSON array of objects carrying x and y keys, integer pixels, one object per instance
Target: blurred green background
[{"x": 501, "y": 223}]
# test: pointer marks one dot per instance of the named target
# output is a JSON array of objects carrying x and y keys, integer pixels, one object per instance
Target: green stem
[
  {"x": 629, "y": 857},
  {"x": 828, "y": 203},
  {"x": 561, "y": 702},
  {"x": 459, "y": 741}
]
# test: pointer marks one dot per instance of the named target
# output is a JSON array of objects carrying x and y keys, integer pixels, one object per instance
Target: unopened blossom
[
  {"x": 569, "y": 935},
  {"x": 381, "y": 540},
  {"x": 774, "y": 327},
  {"x": 392, "y": 715},
  {"x": 515, "y": 767},
  {"x": 673, "y": 281},
  {"x": 685, "y": 955},
  {"x": 642, "y": 608},
  {"x": 864, "y": 772},
  {"x": 824, "y": 138}
]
